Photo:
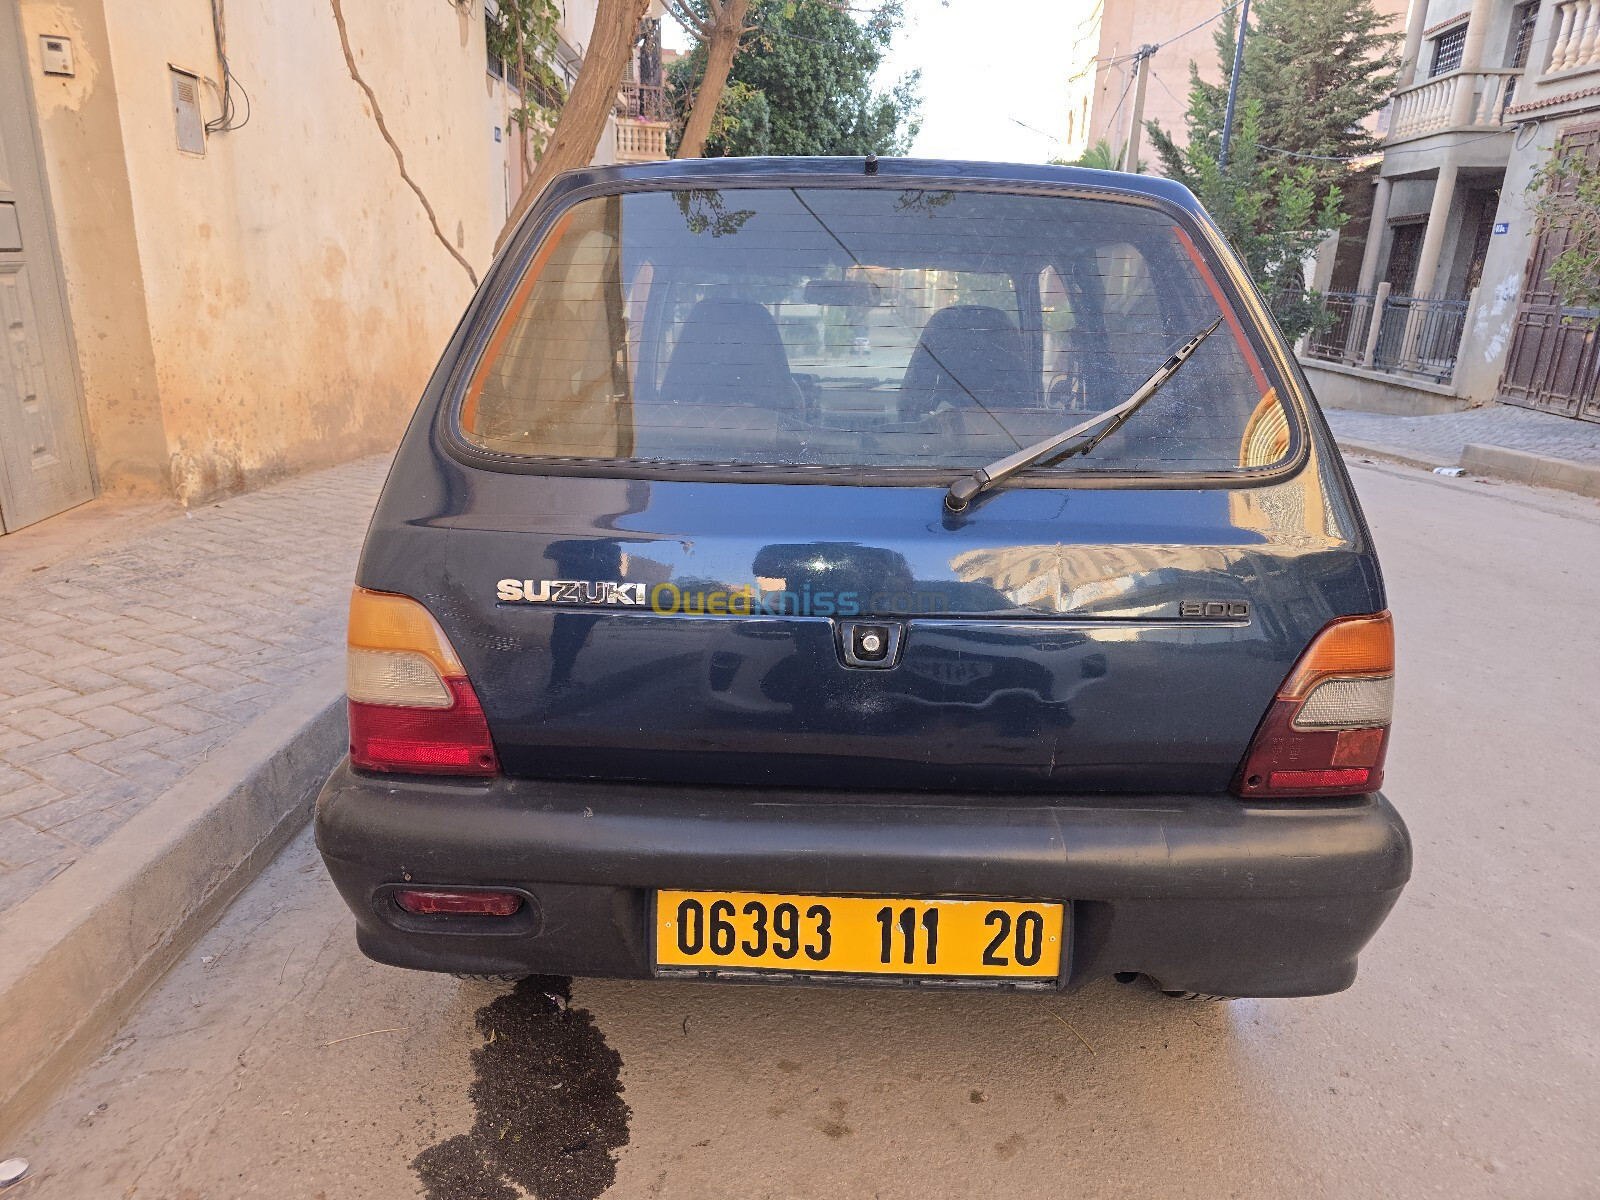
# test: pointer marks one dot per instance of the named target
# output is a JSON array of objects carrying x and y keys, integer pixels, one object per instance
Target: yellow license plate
[{"x": 859, "y": 935}]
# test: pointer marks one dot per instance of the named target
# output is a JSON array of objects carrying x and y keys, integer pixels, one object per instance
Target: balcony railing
[
  {"x": 1477, "y": 99},
  {"x": 641, "y": 141},
  {"x": 644, "y": 113},
  {"x": 1577, "y": 36},
  {"x": 643, "y": 102}
]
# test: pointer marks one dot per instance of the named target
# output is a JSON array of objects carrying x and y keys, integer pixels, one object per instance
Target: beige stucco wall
[
  {"x": 1125, "y": 25},
  {"x": 278, "y": 303}
]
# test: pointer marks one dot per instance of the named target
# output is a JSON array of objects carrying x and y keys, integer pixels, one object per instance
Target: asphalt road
[{"x": 275, "y": 1061}]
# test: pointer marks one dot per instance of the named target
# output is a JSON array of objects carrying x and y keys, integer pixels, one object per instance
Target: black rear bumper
[{"x": 1202, "y": 893}]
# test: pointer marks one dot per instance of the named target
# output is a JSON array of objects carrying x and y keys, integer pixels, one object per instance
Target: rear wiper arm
[{"x": 966, "y": 488}]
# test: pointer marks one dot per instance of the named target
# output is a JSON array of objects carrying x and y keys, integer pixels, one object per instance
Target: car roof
[{"x": 777, "y": 169}]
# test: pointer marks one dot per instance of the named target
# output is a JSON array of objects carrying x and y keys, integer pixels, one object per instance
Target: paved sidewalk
[
  {"x": 122, "y": 667},
  {"x": 1446, "y": 435}
]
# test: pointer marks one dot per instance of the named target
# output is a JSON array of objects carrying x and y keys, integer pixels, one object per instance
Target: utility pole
[
  {"x": 1233, "y": 83},
  {"x": 1141, "y": 66}
]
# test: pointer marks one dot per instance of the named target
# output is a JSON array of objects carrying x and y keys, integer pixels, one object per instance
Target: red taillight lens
[
  {"x": 1327, "y": 731},
  {"x": 434, "y": 901},
  {"x": 412, "y": 709},
  {"x": 426, "y": 741}
]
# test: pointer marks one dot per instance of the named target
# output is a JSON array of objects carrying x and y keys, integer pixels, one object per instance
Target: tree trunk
[
  {"x": 522, "y": 125},
  {"x": 720, "y": 49},
  {"x": 583, "y": 116}
]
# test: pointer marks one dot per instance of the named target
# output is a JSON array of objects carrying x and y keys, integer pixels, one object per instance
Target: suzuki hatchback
[{"x": 826, "y": 570}]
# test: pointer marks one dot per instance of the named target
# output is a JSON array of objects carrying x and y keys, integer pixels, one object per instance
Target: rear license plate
[{"x": 859, "y": 935}]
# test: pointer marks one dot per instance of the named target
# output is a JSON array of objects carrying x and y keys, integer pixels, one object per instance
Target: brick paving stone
[
  {"x": 52, "y": 817},
  {"x": 108, "y": 718},
  {"x": 40, "y": 722},
  {"x": 122, "y": 669},
  {"x": 1448, "y": 434},
  {"x": 11, "y": 739},
  {"x": 21, "y": 844},
  {"x": 89, "y": 830},
  {"x": 62, "y": 744},
  {"x": 18, "y": 883},
  {"x": 25, "y": 794}
]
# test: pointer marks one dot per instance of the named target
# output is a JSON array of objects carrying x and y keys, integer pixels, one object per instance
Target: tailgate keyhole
[{"x": 873, "y": 645}]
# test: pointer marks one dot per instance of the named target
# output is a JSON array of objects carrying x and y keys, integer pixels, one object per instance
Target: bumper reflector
[{"x": 433, "y": 901}]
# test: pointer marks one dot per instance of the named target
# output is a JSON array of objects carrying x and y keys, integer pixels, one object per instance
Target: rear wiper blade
[{"x": 966, "y": 488}]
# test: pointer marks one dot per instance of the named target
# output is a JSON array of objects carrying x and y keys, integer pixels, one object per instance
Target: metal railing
[
  {"x": 1341, "y": 336},
  {"x": 1418, "y": 336},
  {"x": 643, "y": 102}
]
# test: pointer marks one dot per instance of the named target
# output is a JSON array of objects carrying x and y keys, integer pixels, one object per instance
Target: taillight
[
  {"x": 411, "y": 706},
  {"x": 1328, "y": 728}
]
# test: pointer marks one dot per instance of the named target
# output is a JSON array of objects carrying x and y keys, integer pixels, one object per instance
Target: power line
[{"x": 1117, "y": 60}]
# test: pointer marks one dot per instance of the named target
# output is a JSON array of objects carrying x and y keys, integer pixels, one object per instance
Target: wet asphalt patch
[{"x": 548, "y": 1098}]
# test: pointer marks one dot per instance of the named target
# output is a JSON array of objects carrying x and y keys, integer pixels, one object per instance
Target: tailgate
[{"x": 1075, "y": 640}]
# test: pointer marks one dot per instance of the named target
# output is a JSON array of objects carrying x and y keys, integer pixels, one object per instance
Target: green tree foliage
[
  {"x": 802, "y": 84},
  {"x": 522, "y": 35},
  {"x": 1320, "y": 68},
  {"x": 1274, "y": 207},
  {"x": 1101, "y": 157}
]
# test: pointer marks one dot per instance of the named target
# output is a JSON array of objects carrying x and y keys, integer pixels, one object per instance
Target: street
[{"x": 275, "y": 1061}]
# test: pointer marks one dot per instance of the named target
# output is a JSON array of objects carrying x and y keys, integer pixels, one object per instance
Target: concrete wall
[
  {"x": 1125, "y": 25},
  {"x": 1489, "y": 324},
  {"x": 1339, "y": 386},
  {"x": 277, "y": 303}
]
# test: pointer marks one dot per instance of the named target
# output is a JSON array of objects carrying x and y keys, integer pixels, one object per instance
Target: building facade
[
  {"x": 235, "y": 236},
  {"x": 1442, "y": 299}
]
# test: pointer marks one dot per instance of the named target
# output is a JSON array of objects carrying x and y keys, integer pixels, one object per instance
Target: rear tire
[
  {"x": 507, "y": 978},
  {"x": 1197, "y": 997}
]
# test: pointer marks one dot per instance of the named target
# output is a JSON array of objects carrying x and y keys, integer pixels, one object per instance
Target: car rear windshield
[{"x": 866, "y": 327}]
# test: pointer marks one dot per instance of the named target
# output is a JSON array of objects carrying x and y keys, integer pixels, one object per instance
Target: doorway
[{"x": 44, "y": 450}]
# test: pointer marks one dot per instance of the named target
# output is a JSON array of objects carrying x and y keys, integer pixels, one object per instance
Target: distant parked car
[{"x": 1003, "y": 661}]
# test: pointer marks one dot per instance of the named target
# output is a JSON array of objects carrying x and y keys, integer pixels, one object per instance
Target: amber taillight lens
[
  {"x": 1327, "y": 730},
  {"x": 412, "y": 708}
]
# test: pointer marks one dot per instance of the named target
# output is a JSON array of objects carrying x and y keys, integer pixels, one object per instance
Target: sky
[{"x": 993, "y": 73}]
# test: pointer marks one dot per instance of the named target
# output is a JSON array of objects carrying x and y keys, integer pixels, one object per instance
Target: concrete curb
[
  {"x": 77, "y": 955},
  {"x": 1498, "y": 462},
  {"x": 1410, "y": 458},
  {"x": 1540, "y": 470}
]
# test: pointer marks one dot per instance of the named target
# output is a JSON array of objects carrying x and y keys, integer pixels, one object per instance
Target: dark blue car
[{"x": 827, "y": 570}]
